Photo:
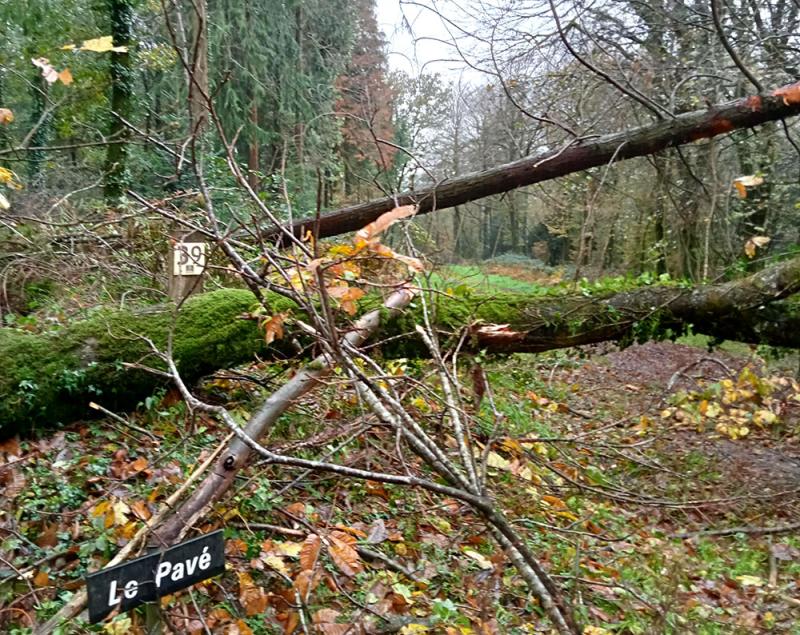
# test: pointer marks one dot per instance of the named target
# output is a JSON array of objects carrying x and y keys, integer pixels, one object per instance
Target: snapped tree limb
[{"x": 580, "y": 154}]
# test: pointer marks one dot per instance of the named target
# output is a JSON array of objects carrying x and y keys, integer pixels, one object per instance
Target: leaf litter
[{"x": 295, "y": 549}]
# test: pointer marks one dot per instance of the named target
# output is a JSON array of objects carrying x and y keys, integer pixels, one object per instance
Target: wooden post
[{"x": 187, "y": 263}]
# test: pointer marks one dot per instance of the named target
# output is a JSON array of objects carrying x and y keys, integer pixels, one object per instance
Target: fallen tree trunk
[
  {"x": 50, "y": 378},
  {"x": 581, "y": 155},
  {"x": 46, "y": 379}
]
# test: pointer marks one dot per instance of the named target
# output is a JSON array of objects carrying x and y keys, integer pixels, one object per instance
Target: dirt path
[{"x": 639, "y": 379}]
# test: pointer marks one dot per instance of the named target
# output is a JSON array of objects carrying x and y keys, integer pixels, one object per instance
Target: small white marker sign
[
  {"x": 189, "y": 259},
  {"x": 146, "y": 579}
]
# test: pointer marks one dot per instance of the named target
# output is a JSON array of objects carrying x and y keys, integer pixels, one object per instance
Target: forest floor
[{"x": 660, "y": 485}]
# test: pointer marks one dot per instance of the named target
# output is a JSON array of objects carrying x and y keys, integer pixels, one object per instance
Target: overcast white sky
[{"x": 418, "y": 51}]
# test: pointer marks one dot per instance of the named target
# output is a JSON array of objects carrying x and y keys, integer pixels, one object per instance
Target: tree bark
[
  {"x": 198, "y": 79},
  {"x": 51, "y": 378},
  {"x": 580, "y": 155},
  {"x": 122, "y": 95}
]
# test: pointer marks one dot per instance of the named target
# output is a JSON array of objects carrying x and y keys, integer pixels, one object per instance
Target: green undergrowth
[{"x": 634, "y": 576}]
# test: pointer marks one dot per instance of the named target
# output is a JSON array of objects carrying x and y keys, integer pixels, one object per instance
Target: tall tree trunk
[
  {"x": 122, "y": 93},
  {"x": 5, "y": 139},
  {"x": 198, "y": 83},
  {"x": 42, "y": 122},
  {"x": 253, "y": 148}
]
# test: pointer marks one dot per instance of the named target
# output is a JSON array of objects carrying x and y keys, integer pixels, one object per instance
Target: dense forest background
[
  {"x": 305, "y": 100},
  {"x": 436, "y": 343}
]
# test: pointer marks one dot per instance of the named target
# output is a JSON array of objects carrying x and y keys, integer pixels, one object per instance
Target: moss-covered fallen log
[{"x": 46, "y": 379}]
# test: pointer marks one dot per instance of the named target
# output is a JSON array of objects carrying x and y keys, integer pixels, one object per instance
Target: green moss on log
[{"x": 50, "y": 379}]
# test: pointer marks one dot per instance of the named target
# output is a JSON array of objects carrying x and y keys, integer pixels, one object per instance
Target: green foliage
[{"x": 276, "y": 85}]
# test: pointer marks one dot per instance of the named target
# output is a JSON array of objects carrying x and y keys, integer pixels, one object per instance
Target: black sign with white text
[{"x": 148, "y": 578}]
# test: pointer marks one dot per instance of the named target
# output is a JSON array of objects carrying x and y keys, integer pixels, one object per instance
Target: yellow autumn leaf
[
  {"x": 414, "y": 629},
  {"x": 6, "y": 116},
  {"x": 121, "y": 625},
  {"x": 595, "y": 630},
  {"x": 341, "y": 250},
  {"x": 526, "y": 473},
  {"x": 101, "y": 508},
  {"x": 764, "y": 417},
  {"x": 6, "y": 176},
  {"x": 713, "y": 410},
  {"x": 750, "y": 580},
  {"x": 290, "y": 549},
  {"x": 495, "y": 460},
  {"x": 121, "y": 511},
  {"x": 102, "y": 45},
  {"x": 277, "y": 564}
]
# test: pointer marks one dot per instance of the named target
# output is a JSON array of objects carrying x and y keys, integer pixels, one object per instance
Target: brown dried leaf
[
  {"x": 325, "y": 623},
  {"x": 65, "y": 77},
  {"x": 296, "y": 509},
  {"x": 273, "y": 328},
  {"x": 384, "y": 221},
  {"x": 338, "y": 291},
  {"x": 141, "y": 510},
  {"x": 49, "y": 536},
  {"x": 292, "y": 622},
  {"x": 309, "y": 553},
  {"x": 10, "y": 446},
  {"x": 252, "y": 598},
  {"x": 239, "y": 628},
  {"x": 138, "y": 465},
  {"x": 353, "y": 531},
  {"x": 305, "y": 582},
  {"x": 41, "y": 579},
  {"x": 343, "y": 553},
  {"x": 13, "y": 483}
]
